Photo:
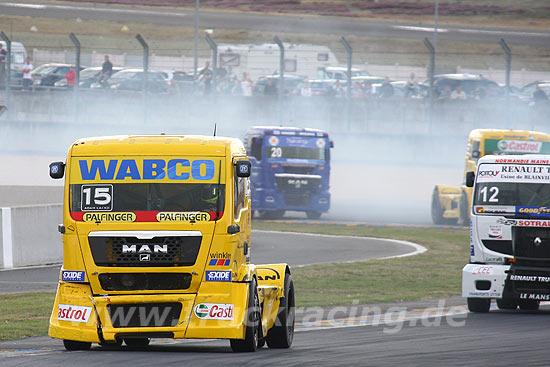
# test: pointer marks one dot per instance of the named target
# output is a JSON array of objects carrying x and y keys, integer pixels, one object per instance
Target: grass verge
[
  {"x": 25, "y": 314},
  {"x": 435, "y": 273}
]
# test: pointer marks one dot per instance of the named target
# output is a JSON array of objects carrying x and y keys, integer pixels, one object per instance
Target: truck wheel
[
  {"x": 253, "y": 319},
  {"x": 464, "y": 218},
  {"x": 437, "y": 210},
  {"x": 481, "y": 305},
  {"x": 313, "y": 215},
  {"x": 282, "y": 333},
  {"x": 507, "y": 304},
  {"x": 75, "y": 345},
  {"x": 528, "y": 304},
  {"x": 137, "y": 342}
]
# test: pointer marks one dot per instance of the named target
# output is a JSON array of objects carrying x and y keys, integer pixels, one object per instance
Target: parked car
[
  {"x": 467, "y": 82},
  {"x": 88, "y": 76},
  {"x": 292, "y": 82},
  {"x": 184, "y": 82},
  {"x": 132, "y": 79},
  {"x": 18, "y": 54},
  {"x": 48, "y": 74},
  {"x": 322, "y": 87},
  {"x": 340, "y": 73}
]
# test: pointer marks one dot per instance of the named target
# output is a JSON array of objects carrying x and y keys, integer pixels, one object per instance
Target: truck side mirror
[
  {"x": 331, "y": 144},
  {"x": 243, "y": 168},
  {"x": 57, "y": 170},
  {"x": 470, "y": 177}
]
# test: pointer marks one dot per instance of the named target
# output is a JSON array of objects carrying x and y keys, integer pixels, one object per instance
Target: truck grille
[
  {"x": 297, "y": 199},
  {"x": 131, "y": 251},
  {"x": 144, "y": 314},
  {"x": 144, "y": 281},
  {"x": 531, "y": 243}
]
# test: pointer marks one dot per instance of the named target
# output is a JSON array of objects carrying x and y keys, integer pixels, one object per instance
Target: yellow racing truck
[
  {"x": 451, "y": 204},
  {"x": 156, "y": 244}
]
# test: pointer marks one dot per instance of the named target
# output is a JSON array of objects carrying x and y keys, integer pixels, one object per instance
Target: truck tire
[
  {"x": 76, "y": 345},
  {"x": 507, "y": 304},
  {"x": 528, "y": 304},
  {"x": 464, "y": 214},
  {"x": 282, "y": 333},
  {"x": 137, "y": 342},
  {"x": 252, "y": 334},
  {"x": 313, "y": 215},
  {"x": 480, "y": 305},
  {"x": 437, "y": 210}
]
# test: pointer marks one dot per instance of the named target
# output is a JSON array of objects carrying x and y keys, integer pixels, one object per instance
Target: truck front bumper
[{"x": 484, "y": 281}]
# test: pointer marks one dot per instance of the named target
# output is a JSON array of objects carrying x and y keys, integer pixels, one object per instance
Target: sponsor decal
[
  {"x": 72, "y": 276},
  {"x": 482, "y": 174},
  {"x": 483, "y": 270},
  {"x": 268, "y": 274},
  {"x": 518, "y": 146},
  {"x": 507, "y": 222},
  {"x": 273, "y": 140},
  {"x": 535, "y": 211},
  {"x": 494, "y": 259},
  {"x": 523, "y": 161},
  {"x": 142, "y": 248},
  {"x": 220, "y": 259},
  {"x": 73, "y": 313},
  {"x": 214, "y": 311},
  {"x": 494, "y": 209},
  {"x": 178, "y": 169},
  {"x": 533, "y": 223},
  {"x": 530, "y": 278},
  {"x": 485, "y": 294},
  {"x": 535, "y": 296},
  {"x": 495, "y": 231},
  {"x": 190, "y": 217},
  {"x": 113, "y": 217},
  {"x": 321, "y": 143},
  {"x": 218, "y": 276}
]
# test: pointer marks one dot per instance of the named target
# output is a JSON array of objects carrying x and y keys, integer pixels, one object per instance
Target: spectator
[
  {"x": 27, "y": 74},
  {"x": 106, "y": 69},
  {"x": 270, "y": 88},
  {"x": 539, "y": 96},
  {"x": 71, "y": 77},
  {"x": 246, "y": 85},
  {"x": 480, "y": 93},
  {"x": 3, "y": 60},
  {"x": 411, "y": 88},
  {"x": 446, "y": 92},
  {"x": 386, "y": 89},
  {"x": 237, "y": 89},
  {"x": 305, "y": 91},
  {"x": 458, "y": 93},
  {"x": 205, "y": 77},
  {"x": 338, "y": 90}
]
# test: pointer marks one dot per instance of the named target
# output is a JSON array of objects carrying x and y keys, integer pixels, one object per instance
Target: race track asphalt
[
  {"x": 272, "y": 23},
  {"x": 495, "y": 339}
]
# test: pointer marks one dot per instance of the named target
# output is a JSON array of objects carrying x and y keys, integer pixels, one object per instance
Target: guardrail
[{"x": 28, "y": 235}]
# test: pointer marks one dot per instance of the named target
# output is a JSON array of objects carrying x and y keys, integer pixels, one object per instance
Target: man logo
[
  {"x": 144, "y": 257},
  {"x": 537, "y": 241}
]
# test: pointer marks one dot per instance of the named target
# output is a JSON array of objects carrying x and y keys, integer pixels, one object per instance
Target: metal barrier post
[
  {"x": 508, "y": 53},
  {"x": 145, "y": 74},
  {"x": 431, "y": 72},
  {"x": 281, "y": 76},
  {"x": 349, "y": 52},
  {"x": 76, "y": 43},
  {"x": 214, "y": 48},
  {"x": 7, "y": 76}
]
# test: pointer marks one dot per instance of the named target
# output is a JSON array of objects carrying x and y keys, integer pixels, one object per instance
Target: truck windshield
[
  {"x": 296, "y": 147},
  {"x": 513, "y": 189},
  {"x": 126, "y": 197}
]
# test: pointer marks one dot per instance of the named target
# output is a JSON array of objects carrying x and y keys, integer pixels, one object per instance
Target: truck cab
[
  {"x": 452, "y": 204},
  {"x": 509, "y": 233},
  {"x": 290, "y": 170},
  {"x": 156, "y": 243}
]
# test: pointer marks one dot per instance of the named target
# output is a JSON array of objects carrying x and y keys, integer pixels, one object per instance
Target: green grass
[
  {"x": 25, "y": 314},
  {"x": 435, "y": 273}
]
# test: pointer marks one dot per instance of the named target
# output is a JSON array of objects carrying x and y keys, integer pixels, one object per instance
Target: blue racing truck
[{"x": 290, "y": 170}]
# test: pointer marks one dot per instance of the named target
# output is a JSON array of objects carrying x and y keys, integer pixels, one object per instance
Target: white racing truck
[{"x": 509, "y": 233}]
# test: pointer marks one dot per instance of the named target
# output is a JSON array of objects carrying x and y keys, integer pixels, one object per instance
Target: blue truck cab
[{"x": 290, "y": 170}]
